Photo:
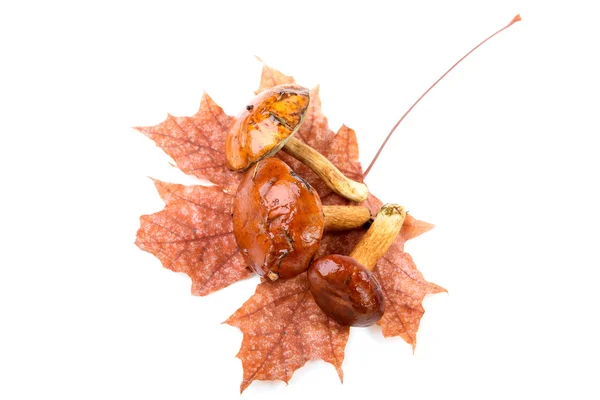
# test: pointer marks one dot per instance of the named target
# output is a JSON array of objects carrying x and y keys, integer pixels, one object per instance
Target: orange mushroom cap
[{"x": 263, "y": 128}]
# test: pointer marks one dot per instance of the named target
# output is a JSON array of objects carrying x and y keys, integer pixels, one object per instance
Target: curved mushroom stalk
[
  {"x": 268, "y": 124},
  {"x": 278, "y": 220},
  {"x": 328, "y": 172},
  {"x": 343, "y": 287}
]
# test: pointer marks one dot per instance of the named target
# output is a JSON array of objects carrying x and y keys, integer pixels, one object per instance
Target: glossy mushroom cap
[
  {"x": 345, "y": 290},
  {"x": 277, "y": 220},
  {"x": 268, "y": 122}
]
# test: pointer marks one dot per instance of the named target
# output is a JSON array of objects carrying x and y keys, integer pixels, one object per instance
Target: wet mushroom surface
[
  {"x": 267, "y": 123},
  {"x": 277, "y": 220},
  {"x": 347, "y": 289}
]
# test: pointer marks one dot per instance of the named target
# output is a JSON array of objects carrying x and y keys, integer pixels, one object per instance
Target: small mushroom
[
  {"x": 268, "y": 124},
  {"x": 343, "y": 287},
  {"x": 278, "y": 220}
]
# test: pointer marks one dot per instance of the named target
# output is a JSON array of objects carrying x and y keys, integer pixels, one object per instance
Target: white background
[{"x": 502, "y": 156}]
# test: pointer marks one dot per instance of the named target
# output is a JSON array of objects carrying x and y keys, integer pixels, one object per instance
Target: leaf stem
[{"x": 515, "y": 19}]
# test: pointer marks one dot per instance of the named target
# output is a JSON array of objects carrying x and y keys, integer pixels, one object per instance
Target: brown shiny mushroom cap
[
  {"x": 345, "y": 290},
  {"x": 265, "y": 125},
  {"x": 277, "y": 220}
]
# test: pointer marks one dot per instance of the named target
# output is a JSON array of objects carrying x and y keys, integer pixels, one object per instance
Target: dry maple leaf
[
  {"x": 282, "y": 325},
  {"x": 270, "y": 77},
  {"x": 404, "y": 289},
  {"x": 194, "y": 234},
  {"x": 196, "y": 143},
  {"x": 283, "y": 329}
]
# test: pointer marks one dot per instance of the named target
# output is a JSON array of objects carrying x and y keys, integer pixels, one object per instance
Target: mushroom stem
[
  {"x": 328, "y": 172},
  {"x": 342, "y": 218},
  {"x": 380, "y": 236}
]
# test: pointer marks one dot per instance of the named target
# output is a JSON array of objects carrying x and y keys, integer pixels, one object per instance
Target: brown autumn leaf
[
  {"x": 196, "y": 143},
  {"x": 277, "y": 341},
  {"x": 404, "y": 289},
  {"x": 270, "y": 77},
  {"x": 283, "y": 329},
  {"x": 194, "y": 234}
]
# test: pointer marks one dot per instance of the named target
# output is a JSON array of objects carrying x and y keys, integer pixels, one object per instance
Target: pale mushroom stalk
[
  {"x": 380, "y": 236},
  {"x": 342, "y": 218},
  {"x": 328, "y": 172}
]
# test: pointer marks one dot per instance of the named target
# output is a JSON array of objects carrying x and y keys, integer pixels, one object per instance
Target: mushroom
[
  {"x": 278, "y": 219},
  {"x": 343, "y": 287},
  {"x": 268, "y": 124}
]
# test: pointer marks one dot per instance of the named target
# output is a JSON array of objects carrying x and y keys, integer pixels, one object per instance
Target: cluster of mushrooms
[{"x": 278, "y": 218}]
